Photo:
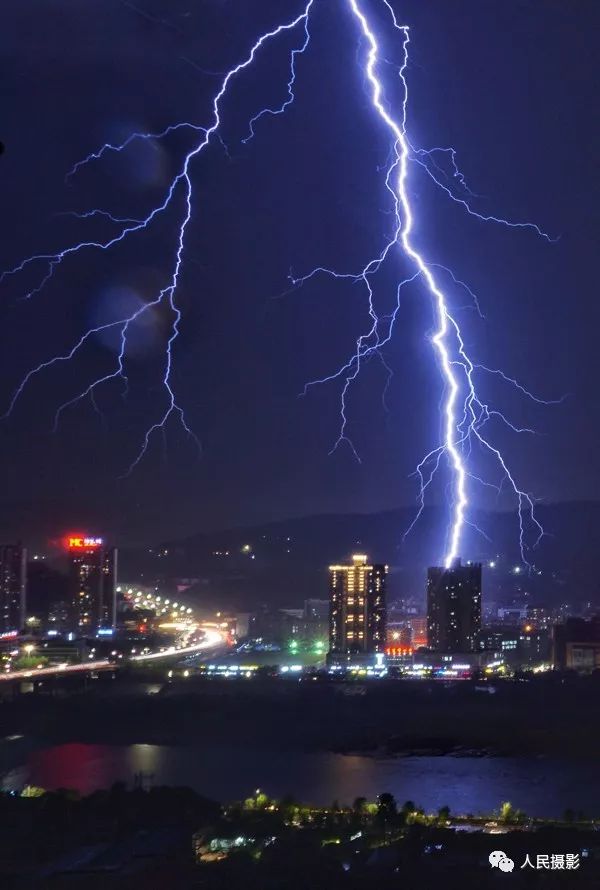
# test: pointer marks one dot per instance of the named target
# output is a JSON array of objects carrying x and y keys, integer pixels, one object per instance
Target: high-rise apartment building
[
  {"x": 357, "y": 611},
  {"x": 92, "y": 583},
  {"x": 13, "y": 587},
  {"x": 576, "y": 644},
  {"x": 418, "y": 626},
  {"x": 454, "y": 607}
]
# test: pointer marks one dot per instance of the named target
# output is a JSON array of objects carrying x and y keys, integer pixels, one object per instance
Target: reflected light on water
[{"x": 465, "y": 784}]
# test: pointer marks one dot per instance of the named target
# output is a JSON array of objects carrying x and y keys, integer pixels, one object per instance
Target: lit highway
[
  {"x": 213, "y": 639},
  {"x": 187, "y": 636},
  {"x": 58, "y": 669}
]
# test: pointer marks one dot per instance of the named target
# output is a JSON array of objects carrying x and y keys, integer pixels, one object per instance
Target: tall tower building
[
  {"x": 110, "y": 561},
  {"x": 357, "y": 612},
  {"x": 92, "y": 584},
  {"x": 454, "y": 607},
  {"x": 13, "y": 587}
]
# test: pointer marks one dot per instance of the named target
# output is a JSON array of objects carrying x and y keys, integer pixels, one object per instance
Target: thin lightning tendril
[
  {"x": 418, "y": 154},
  {"x": 104, "y": 214},
  {"x": 290, "y": 86}
]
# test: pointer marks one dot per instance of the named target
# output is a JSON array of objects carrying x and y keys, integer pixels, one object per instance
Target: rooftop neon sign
[{"x": 83, "y": 543}]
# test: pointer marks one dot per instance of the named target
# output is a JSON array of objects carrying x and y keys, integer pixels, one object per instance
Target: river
[{"x": 539, "y": 786}]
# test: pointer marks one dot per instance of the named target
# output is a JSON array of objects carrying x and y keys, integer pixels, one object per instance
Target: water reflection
[{"x": 469, "y": 784}]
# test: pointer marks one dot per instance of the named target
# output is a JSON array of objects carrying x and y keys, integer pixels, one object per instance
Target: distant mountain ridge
[{"x": 287, "y": 560}]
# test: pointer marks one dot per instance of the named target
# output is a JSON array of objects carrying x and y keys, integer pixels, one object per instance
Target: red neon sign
[{"x": 80, "y": 542}]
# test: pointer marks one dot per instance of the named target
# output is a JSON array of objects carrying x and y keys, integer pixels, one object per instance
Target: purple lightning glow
[{"x": 463, "y": 412}]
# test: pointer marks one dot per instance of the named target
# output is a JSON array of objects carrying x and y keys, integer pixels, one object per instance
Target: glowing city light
[{"x": 79, "y": 542}]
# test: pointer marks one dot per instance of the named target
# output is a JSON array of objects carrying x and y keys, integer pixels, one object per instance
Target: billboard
[{"x": 83, "y": 542}]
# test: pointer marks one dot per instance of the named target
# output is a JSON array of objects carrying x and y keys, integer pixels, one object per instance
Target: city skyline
[{"x": 300, "y": 489}]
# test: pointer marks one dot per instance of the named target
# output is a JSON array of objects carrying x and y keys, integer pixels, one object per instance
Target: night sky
[{"x": 511, "y": 85}]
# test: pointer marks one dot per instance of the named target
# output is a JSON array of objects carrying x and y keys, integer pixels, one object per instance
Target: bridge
[{"x": 212, "y": 639}]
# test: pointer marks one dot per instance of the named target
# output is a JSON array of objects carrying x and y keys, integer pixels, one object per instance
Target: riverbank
[
  {"x": 175, "y": 838},
  {"x": 546, "y": 716}
]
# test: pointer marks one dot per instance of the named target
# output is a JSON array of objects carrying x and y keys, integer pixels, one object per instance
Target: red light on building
[
  {"x": 9, "y": 634},
  {"x": 83, "y": 542},
  {"x": 396, "y": 651}
]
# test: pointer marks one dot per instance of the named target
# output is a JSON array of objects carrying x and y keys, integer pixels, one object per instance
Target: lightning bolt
[
  {"x": 465, "y": 416},
  {"x": 180, "y": 184},
  {"x": 447, "y": 339},
  {"x": 463, "y": 412}
]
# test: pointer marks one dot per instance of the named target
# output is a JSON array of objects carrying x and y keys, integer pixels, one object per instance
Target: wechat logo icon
[{"x": 500, "y": 860}]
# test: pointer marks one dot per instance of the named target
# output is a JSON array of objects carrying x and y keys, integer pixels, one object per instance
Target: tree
[
  {"x": 444, "y": 813},
  {"x": 30, "y": 662},
  {"x": 387, "y": 811},
  {"x": 289, "y": 807},
  {"x": 32, "y": 791},
  {"x": 386, "y": 805},
  {"x": 360, "y": 806},
  {"x": 507, "y": 812}
]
